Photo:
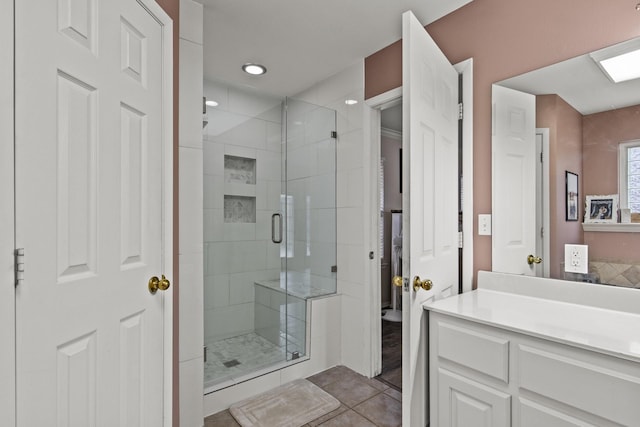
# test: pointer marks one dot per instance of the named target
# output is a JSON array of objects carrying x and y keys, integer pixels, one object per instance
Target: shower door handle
[{"x": 273, "y": 228}]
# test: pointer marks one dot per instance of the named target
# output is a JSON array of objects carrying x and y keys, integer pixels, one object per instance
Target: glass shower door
[{"x": 308, "y": 205}]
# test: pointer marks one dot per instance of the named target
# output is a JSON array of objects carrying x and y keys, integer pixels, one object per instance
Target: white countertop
[{"x": 603, "y": 330}]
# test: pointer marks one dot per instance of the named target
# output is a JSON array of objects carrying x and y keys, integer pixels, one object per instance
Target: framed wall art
[
  {"x": 601, "y": 209},
  {"x": 571, "y": 186}
]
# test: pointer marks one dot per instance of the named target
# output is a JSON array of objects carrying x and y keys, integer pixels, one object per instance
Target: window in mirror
[{"x": 629, "y": 175}]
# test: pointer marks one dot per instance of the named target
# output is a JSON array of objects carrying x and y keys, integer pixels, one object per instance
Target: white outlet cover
[
  {"x": 484, "y": 224},
  {"x": 576, "y": 259}
]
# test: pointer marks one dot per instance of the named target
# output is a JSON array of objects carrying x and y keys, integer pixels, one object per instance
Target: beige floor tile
[
  {"x": 383, "y": 410},
  {"x": 348, "y": 419}
]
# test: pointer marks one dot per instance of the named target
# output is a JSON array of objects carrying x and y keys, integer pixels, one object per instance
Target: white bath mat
[{"x": 290, "y": 405}]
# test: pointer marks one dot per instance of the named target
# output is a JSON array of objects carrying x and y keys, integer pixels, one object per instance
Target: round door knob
[
  {"x": 422, "y": 284},
  {"x": 397, "y": 281},
  {"x": 156, "y": 284},
  {"x": 534, "y": 259}
]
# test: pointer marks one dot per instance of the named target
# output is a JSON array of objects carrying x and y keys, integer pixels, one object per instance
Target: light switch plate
[
  {"x": 484, "y": 224},
  {"x": 576, "y": 258}
]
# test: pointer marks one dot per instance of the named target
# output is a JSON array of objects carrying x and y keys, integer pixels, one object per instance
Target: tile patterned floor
[
  {"x": 250, "y": 351},
  {"x": 364, "y": 402}
]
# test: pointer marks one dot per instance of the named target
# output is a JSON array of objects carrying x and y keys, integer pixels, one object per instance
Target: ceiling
[
  {"x": 302, "y": 42},
  {"x": 581, "y": 83}
]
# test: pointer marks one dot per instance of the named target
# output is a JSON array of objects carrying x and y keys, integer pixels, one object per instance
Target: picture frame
[
  {"x": 601, "y": 209},
  {"x": 571, "y": 196}
]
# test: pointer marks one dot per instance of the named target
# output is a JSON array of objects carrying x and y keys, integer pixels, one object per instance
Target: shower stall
[{"x": 269, "y": 229}]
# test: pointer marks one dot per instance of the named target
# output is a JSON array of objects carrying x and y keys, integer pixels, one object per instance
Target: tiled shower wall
[{"x": 239, "y": 199}]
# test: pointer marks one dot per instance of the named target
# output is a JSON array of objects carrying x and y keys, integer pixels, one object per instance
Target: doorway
[
  {"x": 379, "y": 104},
  {"x": 390, "y": 235}
]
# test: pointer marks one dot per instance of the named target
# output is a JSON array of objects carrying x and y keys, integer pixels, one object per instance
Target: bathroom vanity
[{"x": 530, "y": 352}]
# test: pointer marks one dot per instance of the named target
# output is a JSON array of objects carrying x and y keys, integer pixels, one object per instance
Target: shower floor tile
[{"x": 239, "y": 355}]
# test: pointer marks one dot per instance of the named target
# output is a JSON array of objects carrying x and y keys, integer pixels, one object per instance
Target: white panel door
[
  {"x": 430, "y": 206},
  {"x": 514, "y": 181},
  {"x": 89, "y": 213}
]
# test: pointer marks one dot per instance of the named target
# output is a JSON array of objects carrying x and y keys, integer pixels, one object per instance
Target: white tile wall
[
  {"x": 191, "y": 200},
  {"x": 191, "y": 306},
  {"x": 190, "y": 100},
  {"x": 191, "y": 399},
  {"x": 191, "y": 204}
]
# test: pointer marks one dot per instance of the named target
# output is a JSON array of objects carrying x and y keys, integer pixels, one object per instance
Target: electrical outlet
[
  {"x": 484, "y": 225},
  {"x": 576, "y": 259}
]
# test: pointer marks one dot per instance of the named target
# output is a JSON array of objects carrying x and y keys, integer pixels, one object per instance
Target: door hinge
[
  {"x": 204, "y": 353},
  {"x": 460, "y": 111},
  {"x": 541, "y": 157},
  {"x": 334, "y": 134},
  {"x": 460, "y": 240},
  {"x": 18, "y": 263}
]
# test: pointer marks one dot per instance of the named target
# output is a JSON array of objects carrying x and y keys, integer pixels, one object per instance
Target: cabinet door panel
[{"x": 463, "y": 402}]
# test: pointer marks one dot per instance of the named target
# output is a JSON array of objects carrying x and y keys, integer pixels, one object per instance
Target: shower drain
[{"x": 231, "y": 363}]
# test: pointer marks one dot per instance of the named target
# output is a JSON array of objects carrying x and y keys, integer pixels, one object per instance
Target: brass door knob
[
  {"x": 534, "y": 259},
  {"x": 424, "y": 284},
  {"x": 397, "y": 281},
  {"x": 156, "y": 284}
]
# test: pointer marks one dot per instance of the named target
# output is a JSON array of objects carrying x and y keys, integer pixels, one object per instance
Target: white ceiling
[
  {"x": 302, "y": 42},
  {"x": 581, "y": 83}
]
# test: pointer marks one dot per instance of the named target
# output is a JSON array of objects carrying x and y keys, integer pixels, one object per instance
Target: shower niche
[{"x": 269, "y": 229}]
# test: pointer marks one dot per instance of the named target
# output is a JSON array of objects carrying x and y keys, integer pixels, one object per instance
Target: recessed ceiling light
[
  {"x": 351, "y": 101},
  {"x": 254, "y": 69},
  {"x": 212, "y": 103},
  {"x": 620, "y": 62},
  {"x": 623, "y": 67}
]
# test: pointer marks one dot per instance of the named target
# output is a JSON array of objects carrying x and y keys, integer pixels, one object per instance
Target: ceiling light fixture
[
  {"x": 623, "y": 67},
  {"x": 350, "y": 101},
  {"x": 254, "y": 69},
  {"x": 620, "y": 62},
  {"x": 211, "y": 103}
]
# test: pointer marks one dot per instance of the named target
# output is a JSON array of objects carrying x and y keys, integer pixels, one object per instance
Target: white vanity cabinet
[{"x": 500, "y": 359}]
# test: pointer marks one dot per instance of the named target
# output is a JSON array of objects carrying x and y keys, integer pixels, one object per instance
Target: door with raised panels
[
  {"x": 430, "y": 201},
  {"x": 514, "y": 181},
  {"x": 90, "y": 141}
]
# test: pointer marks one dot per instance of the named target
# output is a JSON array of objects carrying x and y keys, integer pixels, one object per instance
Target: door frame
[
  {"x": 376, "y": 105},
  {"x": 545, "y": 220},
  {"x": 7, "y": 208},
  {"x": 7, "y": 220}
]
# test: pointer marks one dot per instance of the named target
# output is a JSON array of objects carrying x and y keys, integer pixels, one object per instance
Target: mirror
[{"x": 587, "y": 116}]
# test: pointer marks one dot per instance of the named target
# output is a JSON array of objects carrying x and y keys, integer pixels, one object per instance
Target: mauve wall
[
  {"x": 565, "y": 154},
  {"x": 507, "y": 38},
  {"x": 601, "y": 134}
]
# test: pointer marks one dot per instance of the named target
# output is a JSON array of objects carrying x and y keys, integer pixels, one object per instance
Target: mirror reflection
[{"x": 582, "y": 116}]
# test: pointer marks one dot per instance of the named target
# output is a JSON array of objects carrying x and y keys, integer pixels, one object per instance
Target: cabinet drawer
[
  {"x": 474, "y": 349},
  {"x": 598, "y": 389},
  {"x": 533, "y": 414}
]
